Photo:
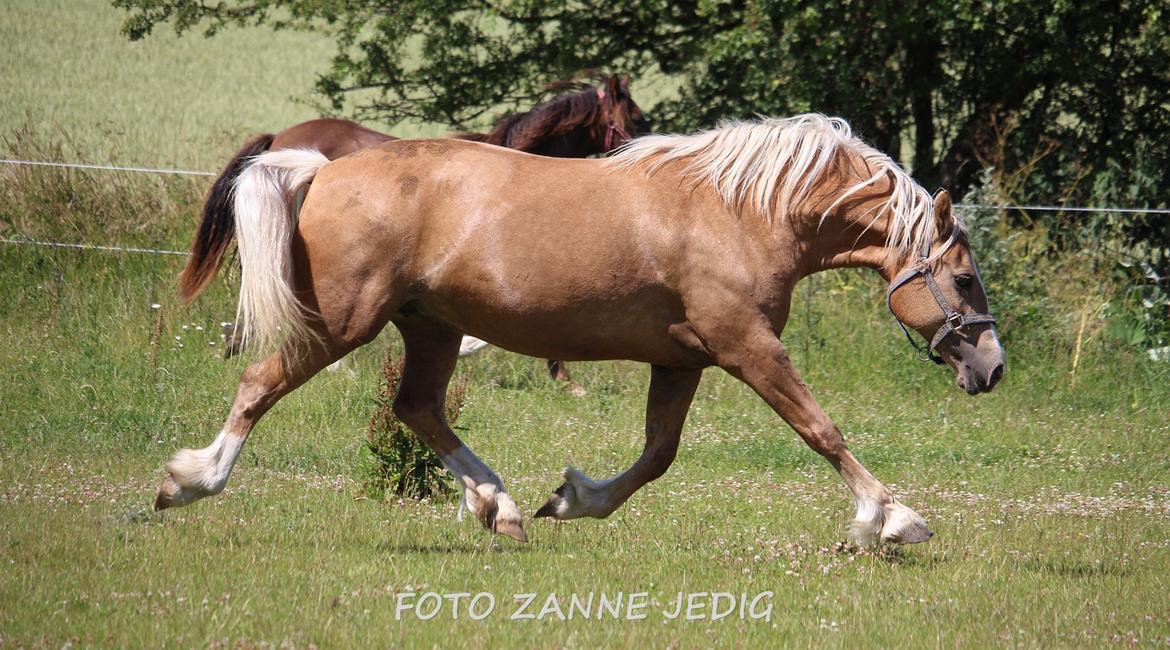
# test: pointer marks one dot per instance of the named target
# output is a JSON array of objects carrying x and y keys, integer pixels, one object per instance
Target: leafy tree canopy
[{"x": 1073, "y": 97}]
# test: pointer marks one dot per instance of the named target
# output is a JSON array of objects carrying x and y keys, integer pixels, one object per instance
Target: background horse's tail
[
  {"x": 218, "y": 226},
  {"x": 265, "y": 222}
]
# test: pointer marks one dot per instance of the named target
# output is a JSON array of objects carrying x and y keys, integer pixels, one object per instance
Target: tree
[{"x": 1075, "y": 94}]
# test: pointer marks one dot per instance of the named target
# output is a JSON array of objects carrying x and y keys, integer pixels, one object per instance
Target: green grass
[
  {"x": 1050, "y": 504},
  {"x": 1050, "y": 497},
  {"x": 164, "y": 101}
]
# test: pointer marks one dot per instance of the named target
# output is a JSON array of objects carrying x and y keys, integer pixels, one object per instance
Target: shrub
[{"x": 403, "y": 465}]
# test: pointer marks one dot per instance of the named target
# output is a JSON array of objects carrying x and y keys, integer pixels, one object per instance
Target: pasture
[{"x": 1050, "y": 497}]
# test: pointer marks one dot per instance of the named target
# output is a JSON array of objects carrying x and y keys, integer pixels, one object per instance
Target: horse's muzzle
[
  {"x": 978, "y": 361},
  {"x": 977, "y": 378}
]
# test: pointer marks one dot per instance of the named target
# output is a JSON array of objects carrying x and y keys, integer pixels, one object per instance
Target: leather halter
[
  {"x": 613, "y": 128},
  {"x": 953, "y": 320}
]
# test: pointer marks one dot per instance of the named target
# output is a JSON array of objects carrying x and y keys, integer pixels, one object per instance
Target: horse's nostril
[{"x": 995, "y": 376}]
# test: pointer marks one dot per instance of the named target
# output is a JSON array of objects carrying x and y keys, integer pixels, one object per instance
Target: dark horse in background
[{"x": 588, "y": 120}]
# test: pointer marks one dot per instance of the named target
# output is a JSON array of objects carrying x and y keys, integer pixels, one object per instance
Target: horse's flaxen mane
[
  {"x": 557, "y": 116},
  {"x": 773, "y": 164}
]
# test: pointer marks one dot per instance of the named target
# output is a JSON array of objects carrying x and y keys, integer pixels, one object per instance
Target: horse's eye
[{"x": 964, "y": 281}]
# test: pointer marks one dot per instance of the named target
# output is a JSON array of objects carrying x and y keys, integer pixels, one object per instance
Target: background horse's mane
[
  {"x": 557, "y": 116},
  {"x": 773, "y": 164}
]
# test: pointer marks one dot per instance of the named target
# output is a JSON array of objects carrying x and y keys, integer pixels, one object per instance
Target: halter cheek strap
[
  {"x": 613, "y": 129},
  {"x": 953, "y": 320}
]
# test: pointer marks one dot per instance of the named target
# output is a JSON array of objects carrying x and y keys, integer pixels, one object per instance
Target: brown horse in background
[
  {"x": 587, "y": 121},
  {"x": 694, "y": 244}
]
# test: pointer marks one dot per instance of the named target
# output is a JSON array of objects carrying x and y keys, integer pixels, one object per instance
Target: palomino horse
[
  {"x": 691, "y": 246},
  {"x": 587, "y": 121}
]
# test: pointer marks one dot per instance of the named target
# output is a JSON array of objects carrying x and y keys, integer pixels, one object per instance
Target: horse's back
[
  {"x": 452, "y": 199},
  {"x": 333, "y": 137}
]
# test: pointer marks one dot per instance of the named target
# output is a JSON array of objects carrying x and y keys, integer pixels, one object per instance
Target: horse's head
[
  {"x": 621, "y": 118},
  {"x": 939, "y": 294}
]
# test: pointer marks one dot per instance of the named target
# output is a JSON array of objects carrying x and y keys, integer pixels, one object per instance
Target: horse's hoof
[
  {"x": 513, "y": 529},
  {"x": 166, "y": 494},
  {"x": 914, "y": 535},
  {"x": 555, "y": 503},
  {"x": 904, "y": 526},
  {"x": 495, "y": 509},
  {"x": 507, "y": 519},
  {"x": 579, "y": 496}
]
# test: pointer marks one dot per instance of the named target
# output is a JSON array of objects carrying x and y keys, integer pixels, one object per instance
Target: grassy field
[
  {"x": 1050, "y": 497},
  {"x": 163, "y": 101},
  {"x": 1051, "y": 505}
]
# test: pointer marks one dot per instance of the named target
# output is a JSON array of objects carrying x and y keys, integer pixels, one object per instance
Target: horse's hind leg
[
  {"x": 560, "y": 372},
  {"x": 197, "y": 473},
  {"x": 431, "y": 353},
  {"x": 671, "y": 392}
]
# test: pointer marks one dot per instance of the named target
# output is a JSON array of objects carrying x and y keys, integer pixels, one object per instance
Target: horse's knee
[
  {"x": 659, "y": 457},
  {"x": 826, "y": 439},
  {"x": 823, "y": 437},
  {"x": 662, "y": 459}
]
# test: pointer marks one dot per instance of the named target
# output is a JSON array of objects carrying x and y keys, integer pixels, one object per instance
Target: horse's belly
[{"x": 636, "y": 327}]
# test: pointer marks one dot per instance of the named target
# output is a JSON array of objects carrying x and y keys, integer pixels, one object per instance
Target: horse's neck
[
  {"x": 850, "y": 236},
  {"x": 577, "y": 143}
]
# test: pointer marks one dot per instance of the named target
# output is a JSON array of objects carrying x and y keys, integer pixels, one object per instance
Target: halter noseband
[
  {"x": 613, "y": 128},
  {"x": 954, "y": 321}
]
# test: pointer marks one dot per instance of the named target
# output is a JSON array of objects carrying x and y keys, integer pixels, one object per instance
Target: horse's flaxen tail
[
  {"x": 265, "y": 221},
  {"x": 218, "y": 227}
]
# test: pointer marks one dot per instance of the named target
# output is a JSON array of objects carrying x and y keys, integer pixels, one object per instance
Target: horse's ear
[
  {"x": 626, "y": 81},
  {"x": 944, "y": 216},
  {"x": 612, "y": 85}
]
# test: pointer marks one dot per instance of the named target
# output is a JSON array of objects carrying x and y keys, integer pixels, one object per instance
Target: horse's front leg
[
  {"x": 671, "y": 392},
  {"x": 757, "y": 358}
]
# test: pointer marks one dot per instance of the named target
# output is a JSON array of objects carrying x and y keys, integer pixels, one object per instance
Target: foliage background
[{"x": 1077, "y": 90}]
